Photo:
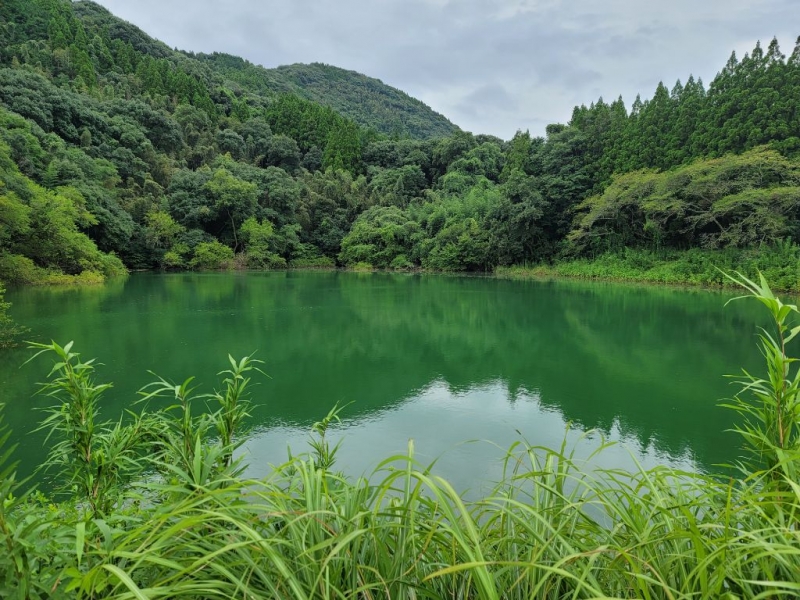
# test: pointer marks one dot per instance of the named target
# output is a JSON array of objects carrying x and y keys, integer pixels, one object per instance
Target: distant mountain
[{"x": 367, "y": 101}]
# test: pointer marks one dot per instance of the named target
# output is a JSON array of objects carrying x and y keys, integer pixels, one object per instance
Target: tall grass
[
  {"x": 188, "y": 526},
  {"x": 779, "y": 262}
]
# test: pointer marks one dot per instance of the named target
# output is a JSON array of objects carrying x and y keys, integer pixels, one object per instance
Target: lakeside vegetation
[
  {"x": 9, "y": 330},
  {"x": 156, "y": 507},
  {"x": 779, "y": 264}
]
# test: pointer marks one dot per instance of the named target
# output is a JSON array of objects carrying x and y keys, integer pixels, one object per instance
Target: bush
[
  {"x": 362, "y": 267},
  {"x": 265, "y": 260},
  {"x": 111, "y": 266},
  {"x": 20, "y": 270},
  {"x": 318, "y": 262},
  {"x": 175, "y": 257},
  {"x": 401, "y": 263},
  {"x": 211, "y": 256}
]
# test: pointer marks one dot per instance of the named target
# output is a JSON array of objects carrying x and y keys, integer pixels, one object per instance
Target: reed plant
[
  {"x": 770, "y": 405},
  {"x": 188, "y": 525}
]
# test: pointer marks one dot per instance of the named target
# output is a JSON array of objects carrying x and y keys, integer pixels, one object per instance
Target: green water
[{"x": 440, "y": 360}]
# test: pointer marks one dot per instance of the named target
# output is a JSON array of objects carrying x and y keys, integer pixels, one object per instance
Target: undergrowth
[{"x": 780, "y": 264}]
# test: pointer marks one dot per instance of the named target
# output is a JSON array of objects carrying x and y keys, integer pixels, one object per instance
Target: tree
[
  {"x": 343, "y": 148},
  {"x": 230, "y": 142},
  {"x": 280, "y": 151},
  {"x": 381, "y": 236},
  {"x": 735, "y": 201},
  {"x": 259, "y": 240},
  {"x": 514, "y": 222},
  {"x": 209, "y": 256},
  {"x": 161, "y": 230},
  {"x": 398, "y": 186},
  {"x": 233, "y": 197}
]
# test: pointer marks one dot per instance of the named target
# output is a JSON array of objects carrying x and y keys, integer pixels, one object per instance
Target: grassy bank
[
  {"x": 780, "y": 265},
  {"x": 157, "y": 508}
]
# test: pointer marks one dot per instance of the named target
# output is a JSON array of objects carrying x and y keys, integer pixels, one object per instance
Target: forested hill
[
  {"x": 111, "y": 142},
  {"x": 367, "y": 101}
]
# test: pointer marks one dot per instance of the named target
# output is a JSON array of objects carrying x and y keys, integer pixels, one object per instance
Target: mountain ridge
[{"x": 364, "y": 99}]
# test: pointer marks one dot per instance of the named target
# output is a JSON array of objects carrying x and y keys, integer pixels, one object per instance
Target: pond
[{"x": 464, "y": 366}]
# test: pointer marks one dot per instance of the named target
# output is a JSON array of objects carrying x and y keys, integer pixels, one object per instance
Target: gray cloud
[{"x": 491, "y": 66}]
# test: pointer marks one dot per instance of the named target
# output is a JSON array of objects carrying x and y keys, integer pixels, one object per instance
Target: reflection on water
[
  {"x": 441, "y": 360},
  {"x": 466, "y": 434}
]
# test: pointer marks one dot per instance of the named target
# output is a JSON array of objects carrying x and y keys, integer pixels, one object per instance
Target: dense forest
[
  {"x": 368, "y": 102},
  {"x": 117, "y": 152}
]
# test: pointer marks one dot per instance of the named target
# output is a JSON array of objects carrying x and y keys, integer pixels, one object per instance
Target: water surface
[{"x": 464, "y": 366}]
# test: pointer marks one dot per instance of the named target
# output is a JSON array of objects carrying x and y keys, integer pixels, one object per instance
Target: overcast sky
[{"x": 490, "y": 66}]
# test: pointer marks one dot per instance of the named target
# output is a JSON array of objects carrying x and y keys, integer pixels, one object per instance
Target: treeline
[{"x": 169, "y": 160}]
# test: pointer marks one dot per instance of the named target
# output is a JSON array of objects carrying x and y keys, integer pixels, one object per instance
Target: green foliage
[
  {"x": 343, "y": 149},
  {"x": 161, "y": 229},
  {"x": 209, "y": 256},
  {"x": 232, "y": 197},
  {"x": 771, "y": 406},
  {"x": 320, "y": 262},
  {"x": 233, "y": 405},
  {"x": 259, "y": 241},
  {"x": 323, "y": 454},
  {"x": 175, "y": 258},
  {"x": 398, "y": 186},
  {"x": 308, "y": 123},
  {"x": 456, "y": 233},
  {"x": 94, "y": 460},
  {"x": 9, "y": 330},
  {"x": 120, "y": 132},
  {"x": 691, "y": 267},
  {"x": 33, "y": 538},
  {"x": 363, "y": 267},
  {"x": 364, "y": 100},
  {"x": 379, "y": 236},
  {"x": 735, "y": 201}
]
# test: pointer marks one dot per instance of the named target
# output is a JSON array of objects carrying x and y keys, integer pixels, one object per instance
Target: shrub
[
  {"x": 20, "y": 270},
  {"x": 318, "y": 262},
  {"x": 175, "y": 257},
  {"x": 210, "y": 256},
  {"x": 401, "y": 263},
  {"x": 111, "y": 266},
  {"x": 362, "y": 267}
]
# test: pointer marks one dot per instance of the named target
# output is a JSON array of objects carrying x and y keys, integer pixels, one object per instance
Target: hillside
[
  {"x": 367, "y": 101},
  {"x": 111, "y": 142}
]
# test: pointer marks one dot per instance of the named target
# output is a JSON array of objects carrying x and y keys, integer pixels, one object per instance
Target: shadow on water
[{"x": 437, "y": 359}]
